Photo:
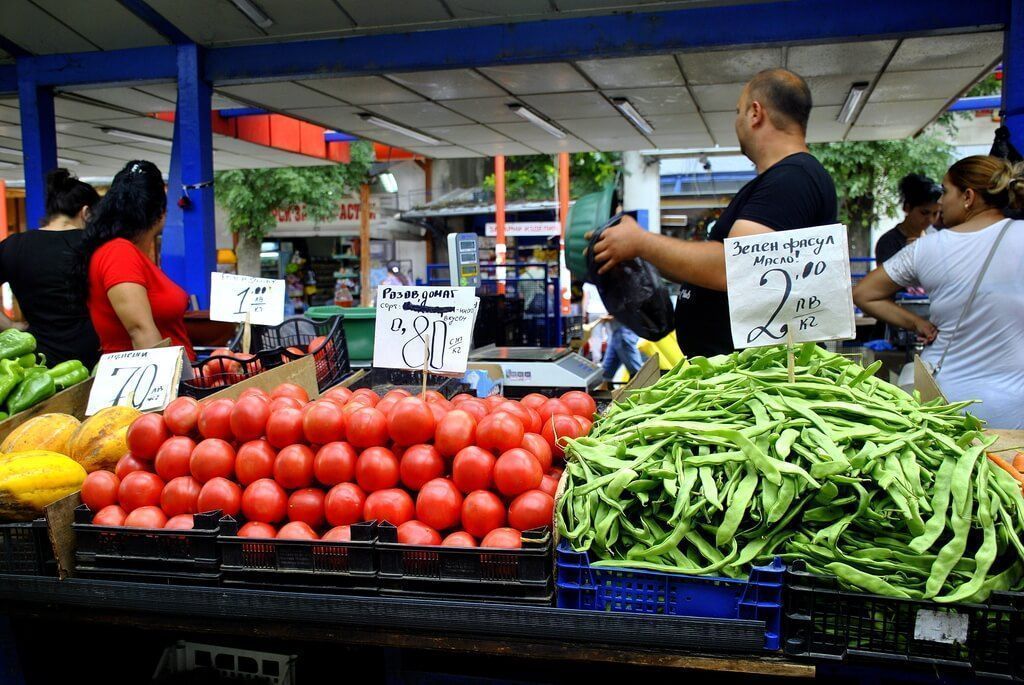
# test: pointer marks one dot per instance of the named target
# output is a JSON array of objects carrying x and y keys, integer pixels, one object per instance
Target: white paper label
[
  {"x": 410, "y": 316},
  {"x": 786, "y": 281},
  {"x": 521, "y": 229},
  {"x": 944, "y": 627},
  {"x": 144, "y": 379},
  {"x": 232, "y": 296}
]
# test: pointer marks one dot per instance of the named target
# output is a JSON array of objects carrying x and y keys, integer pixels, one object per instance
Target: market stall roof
[{"x": 470, "y": 202}]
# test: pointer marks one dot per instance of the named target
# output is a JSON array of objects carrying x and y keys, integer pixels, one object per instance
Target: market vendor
[
  {"x": 792, "y": 190},
  {"x": 133, "y": 304},
  {"x": 974, "y": 275},
  {"x": 38, "y": 264},
  {"x": 921, "y": 209}
]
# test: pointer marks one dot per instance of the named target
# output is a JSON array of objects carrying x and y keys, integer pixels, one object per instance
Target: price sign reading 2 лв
[
  {"x": 233, "y": 296},
  {"x": 144, "y": 379},
  {"x": 417, "y": 325},
  {"x": 790, "y": 282}
]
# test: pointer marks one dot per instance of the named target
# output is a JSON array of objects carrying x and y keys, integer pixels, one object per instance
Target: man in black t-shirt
[{"x": 792, "y": 190}]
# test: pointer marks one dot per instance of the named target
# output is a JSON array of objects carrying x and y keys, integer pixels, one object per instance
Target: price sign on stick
[
  {"x": 144, "y": 379},
  {"x": 424, "y": 326},
  {"x": 232, "y": 297},
  {"x": 790, "y": 286}
]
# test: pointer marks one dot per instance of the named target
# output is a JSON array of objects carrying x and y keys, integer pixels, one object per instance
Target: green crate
[{"x": 360, "y": 323}]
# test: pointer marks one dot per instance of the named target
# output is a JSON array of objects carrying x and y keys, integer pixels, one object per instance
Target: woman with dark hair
[
  {"x": 133, "y": 304},
  {"x": 38, "y": 264},
  {"x": 921, "y": 205}
]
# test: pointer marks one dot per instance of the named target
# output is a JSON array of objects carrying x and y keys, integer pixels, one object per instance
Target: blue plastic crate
[{"x": 581, "y": 586}]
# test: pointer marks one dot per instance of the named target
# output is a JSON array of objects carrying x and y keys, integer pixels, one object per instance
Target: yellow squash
[
  {"x": 51, "y": 432},
  {"x": 102, "y": 439},
  {"x": 31, "y": 480}
]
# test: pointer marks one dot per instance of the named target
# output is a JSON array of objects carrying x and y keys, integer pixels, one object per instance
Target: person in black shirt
[
  {"x": 37, "y": 265},
  {"x": 921, "y": 205},
  {"x": 792, "y": 190}
]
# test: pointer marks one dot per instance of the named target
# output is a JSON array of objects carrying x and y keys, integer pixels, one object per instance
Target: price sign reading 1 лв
[
  {"x": 233, "y": 296},
  {"x": 424, "y": 325},
  {"x": 144, "y": 379},
  {"x": 790, "y": 282}
]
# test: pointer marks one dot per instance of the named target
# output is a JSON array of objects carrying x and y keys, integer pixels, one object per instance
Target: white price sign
[
  {"x": 419, "y": 325},
  {"x": 790, "y": 281},
  {"x": 144, "y": 379},
  {"x": 233, "y": 296}
]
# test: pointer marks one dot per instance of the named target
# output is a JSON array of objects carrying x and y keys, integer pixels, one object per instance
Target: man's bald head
[{"x": 784, "y": 96}]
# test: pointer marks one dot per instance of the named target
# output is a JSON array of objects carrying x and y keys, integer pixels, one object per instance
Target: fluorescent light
[
  {"x": 537, "y": 120},
  {"x": 140, "y": 137},
  {"x": 254, "y": 12},
  {"x": 389, "y": 182},
  {"x": 18, "y": 153},
  {"x": 631, "y": 113},
  {"x": 853, "y": 99},
  {"x": 398, "y": 128}
]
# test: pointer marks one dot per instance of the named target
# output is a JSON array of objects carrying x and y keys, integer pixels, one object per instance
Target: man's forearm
[{"x": 700, "y": 263}]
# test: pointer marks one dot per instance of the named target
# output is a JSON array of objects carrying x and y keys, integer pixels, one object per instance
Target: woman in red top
[{"x": 133, "y": 305}]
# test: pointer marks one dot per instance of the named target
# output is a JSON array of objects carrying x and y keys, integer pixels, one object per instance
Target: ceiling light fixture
[
  {"x": 254, "y": 12},
  {"x": 398, "y": 128},
  {"x": 853, "y": 99},
  {"x": 389, "y": 182},
  {"x": 139, "y": 137},
  {"x": 537, "y": 120},
  {"x": 18, "y": 153},
  {"x": 631, "y": 113}
]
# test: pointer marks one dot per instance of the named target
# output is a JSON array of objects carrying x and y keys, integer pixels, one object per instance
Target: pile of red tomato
[
  {"x": 466, "y": 472},
  {"x": 224, "y": 367}
]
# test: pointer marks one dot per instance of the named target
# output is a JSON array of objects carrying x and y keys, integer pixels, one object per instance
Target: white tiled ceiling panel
[
  {"x": 969, "y": 50},
  {"x": 838, "y": 58},
  {"x": 537, "y": 78},
  {"x": 363, "y": 90},
  {"x": 420, "y": 114},
  {"x": 448, "y": 85},
  {"x": 571, "y": 105},
  {"x": 280, "y": 95},
  {"x": 654, "y": 101},
  {"x": 728, "y": 66},
  {"x": 634, "y": 72}
]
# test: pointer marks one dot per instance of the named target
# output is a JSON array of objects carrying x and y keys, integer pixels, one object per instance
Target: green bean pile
[{"x": 724, "y": 463}]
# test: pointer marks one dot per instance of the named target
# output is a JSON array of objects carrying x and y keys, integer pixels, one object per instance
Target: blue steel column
[
  {"x": 1013, "y": 75},
  {"x": 191, "y": 254},
  {"x": 38, "y": 144}
]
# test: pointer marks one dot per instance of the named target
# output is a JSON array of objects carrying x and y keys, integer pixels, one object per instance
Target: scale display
[{"x": 463, "y": 260}]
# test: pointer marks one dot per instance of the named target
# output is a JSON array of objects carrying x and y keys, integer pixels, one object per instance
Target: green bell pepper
[
  {"x": 27, "y": 361},
  {"x": 68, "y": 373},
  {"x": 15, "y": 344},
  {"x": 31, "y": 391},
  {"x": 11, "y": 374}
]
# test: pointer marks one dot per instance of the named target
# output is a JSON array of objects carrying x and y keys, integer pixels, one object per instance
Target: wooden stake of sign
[
  {"x": 789, "y": 355},
  {"x": 246, "y": 334},
  {"x": 426, "y": 363}
]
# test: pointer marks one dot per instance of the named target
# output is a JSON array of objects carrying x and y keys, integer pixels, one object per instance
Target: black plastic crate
[
  {"x": 824, "y": 622},
  {"x": 271, "y": 343},
  {"x": 26, "y": 549},
  {"x": 383, "y": 380},
  {"x": 147, "y": 554},
  {"x": 514, "y": 575},
  {"x": 220, "y": 371},
  {"x": 305, "y": 565}
]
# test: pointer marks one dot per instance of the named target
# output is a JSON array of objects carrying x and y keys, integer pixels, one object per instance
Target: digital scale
[
  {"x": 531, "y": 369},
  {"x": 463, "y": 260}
]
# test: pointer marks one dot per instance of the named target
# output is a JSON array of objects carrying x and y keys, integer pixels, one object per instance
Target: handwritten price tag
[
  {"x": 144, "y": 379},
  {"x": 410, "y": 316},
  {"x": 232, "y": 296},
  {"x": 790, "y": 281}
]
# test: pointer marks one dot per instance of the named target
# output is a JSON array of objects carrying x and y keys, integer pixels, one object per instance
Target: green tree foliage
[{"x": 533, "y": 177}]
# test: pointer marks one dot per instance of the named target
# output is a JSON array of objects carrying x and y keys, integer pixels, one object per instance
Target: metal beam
[
  {"x": 1013, "y": 76},
  {"x": 155, "y": 21},
  {"x": 970, "y": 104},
  {"x": 8, "y": 79},
  {"x": 132, "y": 65},
  {"x": 38, "y": 145}
]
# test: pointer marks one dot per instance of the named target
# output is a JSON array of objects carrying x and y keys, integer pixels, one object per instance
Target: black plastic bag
[{"x": 633, "y": 292}]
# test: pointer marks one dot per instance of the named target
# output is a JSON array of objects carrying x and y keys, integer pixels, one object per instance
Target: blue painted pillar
[
  {"x": 1013, "y": 75},
  {"x": 189, "y": 245},
  {"x": 38, "y": 144}
]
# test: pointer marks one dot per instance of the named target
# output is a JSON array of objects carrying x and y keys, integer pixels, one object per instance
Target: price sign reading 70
[{"x": 144, "y": 379}]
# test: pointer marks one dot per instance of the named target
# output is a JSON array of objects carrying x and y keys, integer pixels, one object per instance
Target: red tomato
[
  {"x": 307, "y": 505},
  {"x": 128, "y": 463},
  {"x": 392, "y": 505},
  {"x": 145, "y": 517},
  {"x": 249, "y": 418},
  {"x": 264, "y": 501},
  {"x": 293, "y": 467},
  {"x": 538, "y": 447},
  {"x": 366, "y": 396},
  {"x": 499, "y": 432},
  {"x": 388, "y": 403},
  {"x": 344, "y": 504},
  {"x": 181, "y": 496},
  {"x": 172, "y": 458},
  {"x": 534, "y": 400},
  {"x": 553, "y": 406},
  {"x": 418, "y": 533},
  {"x": 439, "y": 504},
  {"x": 367, "y": 427},
  {"x": 492, "y": 401},
  {"x": 180, "y": 522},
  {"x": 585, "y": 424},
  {"x": 419, "y": 464},
  {"x": 255, "y": 460},
  {"x": 515, "y": 409},
  {"x": 473, "y": 469},
  {"x": 318, "y": 345},
  {"x": 335, "y": 463},
  {"x": 411, "y": 422},
  {"x": 503, "y": 538},
  {"x": 517, "y": 471},
  {"x": 558, "y": 429},
  {"x": 220, "y": 493},
  {"x": 284, "y": 428},
  {"x": 111, "y": 515},
  {"x": 215, "y": 420},
  {"x": 291, "y": 390},
  {"x": 323, "y": 423},
  {"x": 297, "y": 351},
  {"x": 580, "y": 403},
  {"x": 478, "y": 409},
  {"x": 212, "y": 458},
  {"x": 397, "y": 393},
  {"x": 257, "y": 529},
  {"x": 222, "y": 360},
  {"x": 438, "y": 410},
  {"x": 146, "y": 434},
  {"x": 459, "y": 539},
  {"x": 279, "y": 403},
  {"x": 461, "y": 397},
  {"x": 296, "y": 530},
  {"x": 139, "y": 489},
  {"x": 482, "y": 512},
  {"x": 455, "y": 431},
  {"x": 432, "y": 396},
  {"x": 549, "y": 484},
  {"x": 182, "y": 416},
  {"x": 338, "y": 534},
  {"x": 535, "y": 423},
  {"x": 532, "y": 509},
  {"x": 255, "y": 392},
  {"x": 377, "y": 469},
  {"x": 339, "y": 394},
  {"x": 99, "y": 490}
]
